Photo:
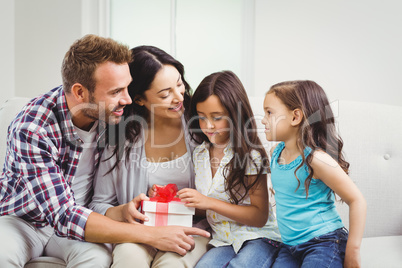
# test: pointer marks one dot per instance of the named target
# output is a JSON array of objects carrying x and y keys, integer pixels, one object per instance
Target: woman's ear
[
  {"x": 79, "y": 92},
  {"x": 138, "y": 101},
  {"x": 297, "y": 117}
]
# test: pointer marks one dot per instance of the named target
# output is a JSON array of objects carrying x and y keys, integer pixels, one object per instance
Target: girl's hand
[
  {"x": 130, "y": 210},
  {"x": 152, "y": 190},
  {"x": 352, "y": 258},
  {"x": 193, "y": 198}
]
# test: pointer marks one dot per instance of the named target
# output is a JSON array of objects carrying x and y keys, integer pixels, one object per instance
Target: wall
[
  {"x": 181, "y": 29},
  {"x": 351, "y": 48},
  {"x": 44, "y": 29},
  {"x": 36, "y": 35},
  {"x": 7, "y": 50}
]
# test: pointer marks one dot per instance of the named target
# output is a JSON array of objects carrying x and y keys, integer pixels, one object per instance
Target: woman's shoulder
[{"x": 110, "y": 150}]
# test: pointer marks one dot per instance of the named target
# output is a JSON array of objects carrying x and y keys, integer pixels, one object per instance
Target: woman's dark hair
[
  {"x": 243, "y": 133},
  {"x": 317, "y": 129},
  {"x": 147, "y": 61}
]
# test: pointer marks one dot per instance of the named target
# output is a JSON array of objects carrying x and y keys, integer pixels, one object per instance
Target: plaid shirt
[{"x": 43, "y": 150}]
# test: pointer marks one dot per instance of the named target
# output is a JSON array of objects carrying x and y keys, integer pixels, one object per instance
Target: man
[{"x": 53, "y": 147}]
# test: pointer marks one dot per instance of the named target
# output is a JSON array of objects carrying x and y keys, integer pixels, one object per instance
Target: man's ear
[
  {"x": 79, "y": 92},
  {"x": 297, "y": 117}
]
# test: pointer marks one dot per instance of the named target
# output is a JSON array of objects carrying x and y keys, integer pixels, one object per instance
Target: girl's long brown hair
[
  {"x": 317, "y": 129},
  {"x": 229, "y": 89}
]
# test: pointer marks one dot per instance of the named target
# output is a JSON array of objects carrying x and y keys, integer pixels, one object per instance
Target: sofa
[{"x": 372, "y": 134}]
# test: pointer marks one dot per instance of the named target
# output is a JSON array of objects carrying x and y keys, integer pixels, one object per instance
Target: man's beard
[{"x": 98, "y": 111}]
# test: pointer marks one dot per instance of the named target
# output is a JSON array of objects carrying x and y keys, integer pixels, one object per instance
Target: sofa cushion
[
  {"x": 383, "y": 251},
  {"x": 372, "y": 134}
]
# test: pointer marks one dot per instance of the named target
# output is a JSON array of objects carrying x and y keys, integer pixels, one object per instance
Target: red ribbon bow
[{"x": 166, "y": 193}]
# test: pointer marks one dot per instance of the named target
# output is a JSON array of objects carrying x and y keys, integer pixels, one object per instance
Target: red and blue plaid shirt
[{"x": 43, "y": 150}]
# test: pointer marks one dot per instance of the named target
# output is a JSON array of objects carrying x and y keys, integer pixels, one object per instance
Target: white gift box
[{"x": 171, "y": 213}]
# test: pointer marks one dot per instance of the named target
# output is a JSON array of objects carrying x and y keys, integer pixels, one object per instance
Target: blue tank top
[{"x": 299, "y": 218}]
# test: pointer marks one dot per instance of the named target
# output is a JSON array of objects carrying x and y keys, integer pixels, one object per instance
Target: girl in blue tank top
[{"x": 307, "y": 168}]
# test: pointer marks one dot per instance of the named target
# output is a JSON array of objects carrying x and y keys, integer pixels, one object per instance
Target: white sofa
[{"x": 372, "y": 134}]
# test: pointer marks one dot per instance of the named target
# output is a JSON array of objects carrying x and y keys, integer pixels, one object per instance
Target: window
[{"x": 205, "y": 36}]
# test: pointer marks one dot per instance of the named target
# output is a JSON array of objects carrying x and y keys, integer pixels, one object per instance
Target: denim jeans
[
  {"x": 259, "y": 252},
  {"x": 323, "y": 251}
]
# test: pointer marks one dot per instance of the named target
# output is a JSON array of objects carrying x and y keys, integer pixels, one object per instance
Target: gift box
[{"x": 166, "y": 209}]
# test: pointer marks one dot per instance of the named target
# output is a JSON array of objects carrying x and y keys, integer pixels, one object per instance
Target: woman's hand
[
  {"x": 130, "y": 210},
  {"x": 152, "y": 190},
  {"x": 193, "y": 198}
]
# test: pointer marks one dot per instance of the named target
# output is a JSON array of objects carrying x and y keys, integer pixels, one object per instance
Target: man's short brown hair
[{"x": 85, "y": 55}]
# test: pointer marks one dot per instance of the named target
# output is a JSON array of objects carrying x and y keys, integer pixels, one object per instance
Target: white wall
[
  {"x": 44, "y": 30},
  {"x": 351, "y": 48},
  {"x": 35, "y": 37},
  {"x": 7, "y": 50},
  {"x": 205, "y": 36}
]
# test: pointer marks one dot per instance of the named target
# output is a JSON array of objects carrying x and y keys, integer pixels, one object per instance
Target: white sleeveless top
[{"x": 176, "y": 171}]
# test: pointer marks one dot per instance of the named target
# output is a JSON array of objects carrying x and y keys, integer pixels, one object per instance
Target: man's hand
[
  {"x": 101, "y": 229},
  {"x": 175, "y": 238},
  {"x": 130, "y": 210}
]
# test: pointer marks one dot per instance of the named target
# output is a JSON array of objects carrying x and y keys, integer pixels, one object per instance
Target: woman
[{"x": 154, "y": 149}]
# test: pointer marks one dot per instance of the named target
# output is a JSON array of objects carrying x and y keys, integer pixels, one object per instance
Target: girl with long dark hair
[
  {"x": 307, "y": 167},
  {"x": 231, "y": 168}
]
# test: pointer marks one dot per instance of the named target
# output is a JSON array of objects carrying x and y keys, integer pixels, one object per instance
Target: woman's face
[{"x": 164, "y": 98}]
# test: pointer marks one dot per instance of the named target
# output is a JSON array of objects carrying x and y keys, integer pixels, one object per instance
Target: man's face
[{"x": 110, "y": 96}]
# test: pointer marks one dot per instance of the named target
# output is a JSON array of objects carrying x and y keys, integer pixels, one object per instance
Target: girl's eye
[
  {"x": 217, "y": 118},
  {"x": 201, "y": 118}
]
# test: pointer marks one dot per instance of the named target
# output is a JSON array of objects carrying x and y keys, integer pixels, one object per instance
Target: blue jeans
[
  {"x": 259, "y": 252},
  {"x": 323, "y": 251}
]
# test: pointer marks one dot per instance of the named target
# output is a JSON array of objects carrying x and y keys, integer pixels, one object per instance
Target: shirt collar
[
  {"x": 67, "y": 125},
  {"x": 228, "y": 151},
  {"x": 66, "y": 122}
]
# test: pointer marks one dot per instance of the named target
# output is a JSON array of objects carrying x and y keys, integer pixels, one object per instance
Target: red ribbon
[{"x": 164, "y": 195}]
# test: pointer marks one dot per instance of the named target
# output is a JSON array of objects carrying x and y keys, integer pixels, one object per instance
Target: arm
[
  {"x": 328, "y": 170},
  {"x": 106, "y": 191},
  {"x": 101, "y": 229},
  {"x": 255, "y": 214},
  {"x": 35, "y": 162}
]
